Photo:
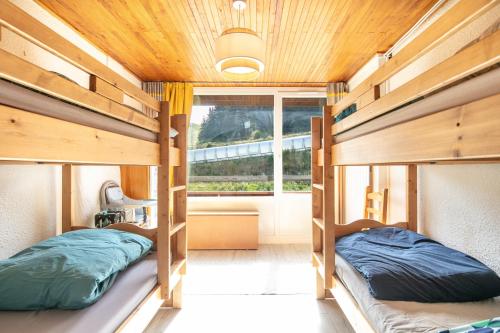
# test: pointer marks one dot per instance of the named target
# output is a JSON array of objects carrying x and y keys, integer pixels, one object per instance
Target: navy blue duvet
[{"x": 405, "y": 266}]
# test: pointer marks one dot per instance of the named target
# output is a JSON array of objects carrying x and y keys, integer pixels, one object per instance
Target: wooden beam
[
  {"x": 143, "y": 314},
  {"x": 467, "y": 132},
  {"x": 329, "y": 215},
  {"x": 316, "y": 178},
  {"x": 31, "y": 137},
  {"x": 179, "y": 122},
  {"x": 15, "y": 19},
  {"x": 24, "y": 98},
  {"x": 411, "y": 197},
  {"x": 350, "y": 308},
  {"x": 105, "y": 89},
  {"x": 175, "y": 301},
  {"x": 163, "y": 247},
  {"x": 368, "y": 97},
  {"x": 465, "y": 92},
  {"x": 67, "y": 198},
  {"x": 18, "y": 70},
  {"x": 474, "y": 58},
  {"x": 452, "y": 21}
]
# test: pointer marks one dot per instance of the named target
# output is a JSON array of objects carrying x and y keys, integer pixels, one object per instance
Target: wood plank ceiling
[{"x": 308, "y": 42}]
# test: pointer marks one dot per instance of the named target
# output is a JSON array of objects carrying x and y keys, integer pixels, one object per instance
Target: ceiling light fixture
[
  {"x": 239, "y": 4},
  {"x": 239, "y": 52}
]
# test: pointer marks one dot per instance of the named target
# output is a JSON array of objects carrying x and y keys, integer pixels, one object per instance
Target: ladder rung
[
  {"x": 176, "y": 266},
  {"x": 318, "y": 257},
  {"x": 319, "y": 222},
  {"x": 177, "y": 188},
  {"x": 373, "y": 211},
  {"x": 176, "y": 227},
  {"x": 318, "y": 186}
]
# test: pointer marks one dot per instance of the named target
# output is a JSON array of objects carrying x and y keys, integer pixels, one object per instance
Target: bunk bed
[
  {"x": 446, "y": 115},
  {"x": 48, "y": 119}
]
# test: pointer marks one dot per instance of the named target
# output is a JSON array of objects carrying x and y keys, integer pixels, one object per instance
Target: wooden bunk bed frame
[
  {"x": 450, "y": 114},
  {"x": 46, "y": 118}
]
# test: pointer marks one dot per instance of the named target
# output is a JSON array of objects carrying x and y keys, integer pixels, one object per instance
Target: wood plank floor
[{"x": 268, "y": 290}]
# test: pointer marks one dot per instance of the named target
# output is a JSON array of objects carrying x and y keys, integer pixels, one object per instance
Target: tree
[{"x": 225, "y": 124}]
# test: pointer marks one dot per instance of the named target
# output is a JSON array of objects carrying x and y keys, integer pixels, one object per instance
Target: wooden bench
[{"x": 223, "y": 230}]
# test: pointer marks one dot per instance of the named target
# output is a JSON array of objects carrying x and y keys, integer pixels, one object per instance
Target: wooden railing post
[
  {"x": 67, "y": 198},
  {"x": 328, "y": 200},
  {"x": 411, "y": 197},
  {"x": 163, "y": 246}
]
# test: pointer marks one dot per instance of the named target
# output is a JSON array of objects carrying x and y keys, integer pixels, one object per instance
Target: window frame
[{"x": 278, "y": 94}]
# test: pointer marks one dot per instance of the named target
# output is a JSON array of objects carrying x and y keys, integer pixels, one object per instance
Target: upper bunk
[
  {"x": 46, "y": 117},
  {"x": 447, "y": 114}
]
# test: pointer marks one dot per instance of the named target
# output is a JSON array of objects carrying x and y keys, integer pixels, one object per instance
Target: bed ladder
[
  {"x": 172, "y": 212},
  {"x": 322, "y": 181}
]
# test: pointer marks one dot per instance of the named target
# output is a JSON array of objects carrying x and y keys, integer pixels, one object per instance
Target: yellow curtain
[{"x": 179, "y": 96}]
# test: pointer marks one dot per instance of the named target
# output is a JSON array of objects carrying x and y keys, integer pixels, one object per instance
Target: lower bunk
[
  {"x": 130, "y": 289},
  {"x": 90, "y": 280},
  {"x": 368, "y": 314},
  {"x": 393, "y": 280}
]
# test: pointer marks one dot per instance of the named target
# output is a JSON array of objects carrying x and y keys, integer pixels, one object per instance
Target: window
[
  {"x": 231, "y": 143},
  {"x": 296, "y": 143}
]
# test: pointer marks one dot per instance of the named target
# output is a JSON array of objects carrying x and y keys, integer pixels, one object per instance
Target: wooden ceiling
[{"x": 308, "y": 42}]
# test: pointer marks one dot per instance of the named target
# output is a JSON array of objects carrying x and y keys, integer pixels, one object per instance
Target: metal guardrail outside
[{"x": 251, "y": 149}]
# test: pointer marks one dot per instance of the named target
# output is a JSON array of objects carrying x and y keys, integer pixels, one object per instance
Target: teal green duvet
[{"x": 70, "y": 271}]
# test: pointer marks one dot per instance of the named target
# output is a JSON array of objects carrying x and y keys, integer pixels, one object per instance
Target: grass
[{"x": 288, "y": 186}]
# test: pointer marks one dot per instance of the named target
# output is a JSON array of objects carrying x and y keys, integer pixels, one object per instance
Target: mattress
[
  {"x": 398, "y": 316},
  {"x": 129, "y": 289}
]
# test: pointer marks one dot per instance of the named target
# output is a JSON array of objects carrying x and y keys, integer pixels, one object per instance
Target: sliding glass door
[{"x": 296, "y": 141}]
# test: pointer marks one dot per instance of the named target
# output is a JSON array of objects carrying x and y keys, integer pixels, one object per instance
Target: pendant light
[{"x": 239, "y": 52}]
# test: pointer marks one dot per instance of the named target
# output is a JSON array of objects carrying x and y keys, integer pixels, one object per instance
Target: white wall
[
  {"x": 30, "y": 205},
  {"x": 459, "y": 206}
]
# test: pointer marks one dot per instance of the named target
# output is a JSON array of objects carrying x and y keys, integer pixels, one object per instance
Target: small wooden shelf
[
  {"x": 176, "y": 266},
  {"x": 319, "y": 222},
  {"x": 177, "y": 188},
  {"x": 318, "y": 186},
  {"x": 176, "y": 227}
]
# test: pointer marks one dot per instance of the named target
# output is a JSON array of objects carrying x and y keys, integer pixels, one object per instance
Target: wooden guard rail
[
  {"x": 18, "y": 21},
  {"x": 452, "y": 21},
  {"x": 478, "y": 56},
  {"x": 25, "y": 73}
]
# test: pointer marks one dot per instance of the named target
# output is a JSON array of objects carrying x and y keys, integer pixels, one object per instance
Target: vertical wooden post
[
  {"x": 163, "y": 246},
  {"x": 411, "y": 197},
  {"x": 383, "y": 205},
  {"x": 342, "y": 186},
  {"x": 179, "y": 122},
  {"x": 370, "y": 176},
  {"x": 316, "y": 178},
  {"x": 368, "y": 204},
  {"x": 67, "y": 197},
  {"x": 328, "y": 199}
]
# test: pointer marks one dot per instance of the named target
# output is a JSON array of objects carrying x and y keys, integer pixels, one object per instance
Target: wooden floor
[{"x": 268, "y": 290}]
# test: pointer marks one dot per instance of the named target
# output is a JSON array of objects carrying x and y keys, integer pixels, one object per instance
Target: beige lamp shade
[{"x": 239, "y": 54}]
